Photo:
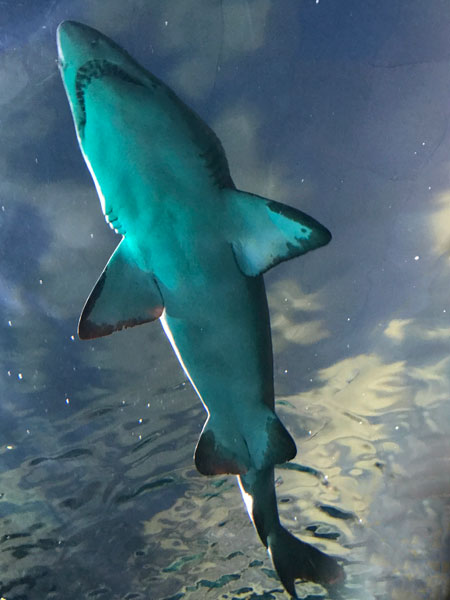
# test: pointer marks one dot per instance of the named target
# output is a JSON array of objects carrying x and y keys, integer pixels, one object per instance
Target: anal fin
[{"x": 217, "y": 454}]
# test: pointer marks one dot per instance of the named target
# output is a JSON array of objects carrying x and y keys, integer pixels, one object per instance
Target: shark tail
[{"x": 294, "y": 559}]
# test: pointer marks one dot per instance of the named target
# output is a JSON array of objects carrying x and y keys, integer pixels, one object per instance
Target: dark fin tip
[
  {"x": 87, "y": 330},
  {"x": 212, "y": 459},
  {"x": 320, "y": 232}
]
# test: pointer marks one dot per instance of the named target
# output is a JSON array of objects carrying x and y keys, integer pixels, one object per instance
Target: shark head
[
  {"x": 111, "y": 98},
  {"x": 136, "y": 136},
  {"x": 87, "y": 57}
]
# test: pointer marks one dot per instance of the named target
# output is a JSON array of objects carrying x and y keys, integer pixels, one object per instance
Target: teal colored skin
[{"x": 193, "y": 252}]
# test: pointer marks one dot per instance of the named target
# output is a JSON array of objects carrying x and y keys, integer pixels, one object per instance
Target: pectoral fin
[
  {"x": 268, "y": 232},
  {"x": 124, "y": 296}
]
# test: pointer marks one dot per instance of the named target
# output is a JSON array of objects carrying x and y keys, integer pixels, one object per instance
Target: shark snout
[
  {"x": 76, "y": 43},
  {"x": 83, "y": 47}
]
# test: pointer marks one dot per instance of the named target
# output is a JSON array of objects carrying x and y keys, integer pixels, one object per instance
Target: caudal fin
[{"x": 294, "y": 559}]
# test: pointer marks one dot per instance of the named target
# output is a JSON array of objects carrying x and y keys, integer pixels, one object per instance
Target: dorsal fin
[
  {"x": 265, "y": 233},
  {"x": 124, "y": 296}
]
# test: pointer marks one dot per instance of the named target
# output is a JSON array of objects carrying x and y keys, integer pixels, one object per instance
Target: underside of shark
[{"x": 193, "y": 253}]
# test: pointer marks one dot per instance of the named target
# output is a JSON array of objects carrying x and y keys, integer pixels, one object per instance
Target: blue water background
[{"x": 338, "y": 108}]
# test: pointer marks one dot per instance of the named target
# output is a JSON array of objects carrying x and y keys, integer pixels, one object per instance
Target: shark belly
[
  {"x": 225, "y": 344},
  {"x": 217, "y": 316},
  {"x": 175, "y": 166},
  {"x": 222, "y": 339}
]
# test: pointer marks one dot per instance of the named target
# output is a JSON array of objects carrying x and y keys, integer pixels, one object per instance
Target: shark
[{"x": 192, "y": 254}]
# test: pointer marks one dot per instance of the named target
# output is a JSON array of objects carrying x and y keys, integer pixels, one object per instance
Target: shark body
[{"x": 193, "y": 253}]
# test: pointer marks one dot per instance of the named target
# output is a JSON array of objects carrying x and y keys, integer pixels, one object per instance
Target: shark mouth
[{"x": 96, "y": 69}]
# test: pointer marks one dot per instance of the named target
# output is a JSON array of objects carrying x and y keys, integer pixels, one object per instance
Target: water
[{"x": 341, "y": 109}]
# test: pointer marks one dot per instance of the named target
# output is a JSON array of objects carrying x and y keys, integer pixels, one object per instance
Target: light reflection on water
[
  {"x": 369, "y": 485},
  {"x": 380, "y": 441}
]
